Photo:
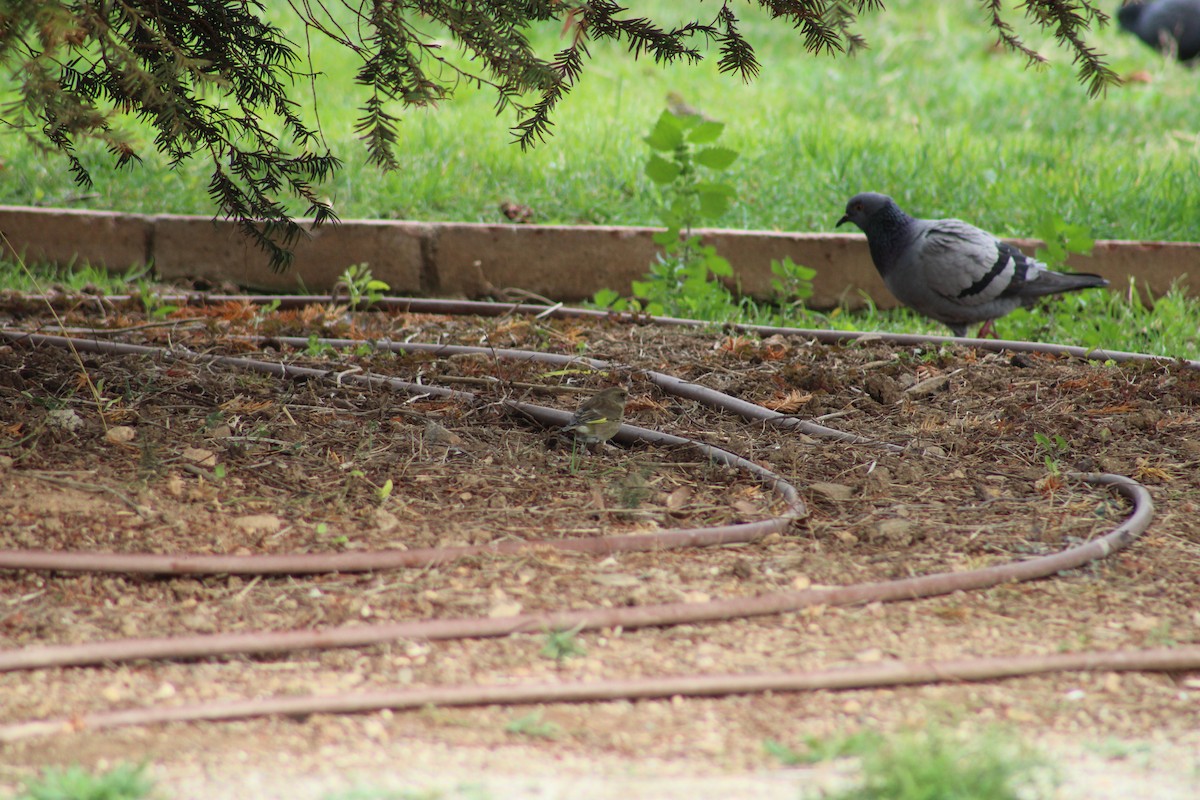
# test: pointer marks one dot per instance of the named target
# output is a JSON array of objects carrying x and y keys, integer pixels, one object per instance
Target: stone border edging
[{"x": 472, "y": 260}]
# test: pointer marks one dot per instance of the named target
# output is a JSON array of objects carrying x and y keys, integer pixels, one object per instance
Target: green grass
[
  {"x": 1110, "y": 320},
  {"x": 817, "y": 750},
  {"x": 125, "y": 782},
  {"x": 533, "y": 726},
  {"x": 562, "y": 644},
  {"x": 42, "y": 277},
  {"x": 1113, "y": 320},
  {"x": 931, "y": 113},
  {"x": 938, "y": 765}
]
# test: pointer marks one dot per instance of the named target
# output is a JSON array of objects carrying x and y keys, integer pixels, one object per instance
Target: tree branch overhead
[{"x": 215, "y": 78}]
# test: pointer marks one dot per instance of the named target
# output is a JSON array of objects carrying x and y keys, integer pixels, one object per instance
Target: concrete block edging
[{"x": 472, "y": 260}]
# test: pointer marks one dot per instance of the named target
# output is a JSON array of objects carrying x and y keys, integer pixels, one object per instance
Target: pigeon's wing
[{"x": 971, "y": 267}]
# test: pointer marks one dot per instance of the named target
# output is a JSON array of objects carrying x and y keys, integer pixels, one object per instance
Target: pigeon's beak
[{"x": 845, "y": 218}]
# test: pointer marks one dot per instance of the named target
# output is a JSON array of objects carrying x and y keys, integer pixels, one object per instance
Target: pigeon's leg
[{"x": 987, "y": 331}]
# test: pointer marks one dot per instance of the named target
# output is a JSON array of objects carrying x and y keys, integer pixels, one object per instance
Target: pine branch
[{"x": 215, "y": 77}]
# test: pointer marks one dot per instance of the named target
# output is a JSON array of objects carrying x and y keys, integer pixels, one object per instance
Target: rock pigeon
[
  {"x": 951, "y": 271},
  {"x": 1171, "y": 26}
]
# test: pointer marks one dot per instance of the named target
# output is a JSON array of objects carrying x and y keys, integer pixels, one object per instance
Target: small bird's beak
[{"x": 845, "y": 218}]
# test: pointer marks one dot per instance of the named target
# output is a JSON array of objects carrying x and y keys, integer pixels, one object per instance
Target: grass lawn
[{"x": 933, "y": 113}]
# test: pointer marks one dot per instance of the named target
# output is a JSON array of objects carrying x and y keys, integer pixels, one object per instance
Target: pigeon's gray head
[{"x": 862, "y": 207}]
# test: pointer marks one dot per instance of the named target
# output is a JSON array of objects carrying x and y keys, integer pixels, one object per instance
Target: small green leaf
[
  {"x": 713, "y": 204},
  {"x": 705, "y": 132},
  {"x": 667, "y": 134},
  {"x": 1046, "y": 228},
  {"x": 784, "y": 754},
  {"x": 720, "y": 266},
  {"x": 563, "y": 644},
  {"x": 605, "y": 298},
  {"x": 1052, "y": 254},
  {"x": 1078, "y": 239},
  {"x": 661, "y": 171},
  {"x": 790, "y": 269},
  {"x": 681, "y": 208},
  {"x": 696, "y": 271},
  {"x": 716, "y": 157},
  {"x": 665, "y": 238},
  {"x": 717, "y": 187}
]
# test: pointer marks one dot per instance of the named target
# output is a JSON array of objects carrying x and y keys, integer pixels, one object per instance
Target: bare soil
[{"x": 232, "y": 462}]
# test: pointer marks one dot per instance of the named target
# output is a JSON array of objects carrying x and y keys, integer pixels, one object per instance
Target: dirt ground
[{"x": 228, "y": 461}]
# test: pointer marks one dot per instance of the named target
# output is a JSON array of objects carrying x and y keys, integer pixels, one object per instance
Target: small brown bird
[
  {"x": 599, "y": 417},
  {"x": 517, "y": 212}
]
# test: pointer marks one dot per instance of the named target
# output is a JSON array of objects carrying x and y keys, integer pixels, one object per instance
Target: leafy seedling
[
  {"x": 533, "y": 726},
  {"x": 1052, "y": 451},
  {"x": 562, "y": 644},
  {"x": 817, "y": 750},
  {"x": 357, "y": 283},
  {"x": 123, "y": 782}
]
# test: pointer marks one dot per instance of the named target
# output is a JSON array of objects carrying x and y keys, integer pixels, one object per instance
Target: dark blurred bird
[
  {"x": 517, "y": 212},
  {"x": 950, "y": 271},
  {"x": 599, "y": 417},
  {"x": 680, "y": 107},
  {"x": 1170, "y": 26}
]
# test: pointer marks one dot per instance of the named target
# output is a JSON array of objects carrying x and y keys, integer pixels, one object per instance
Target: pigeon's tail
[{"x": 1049, "y": 282}]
